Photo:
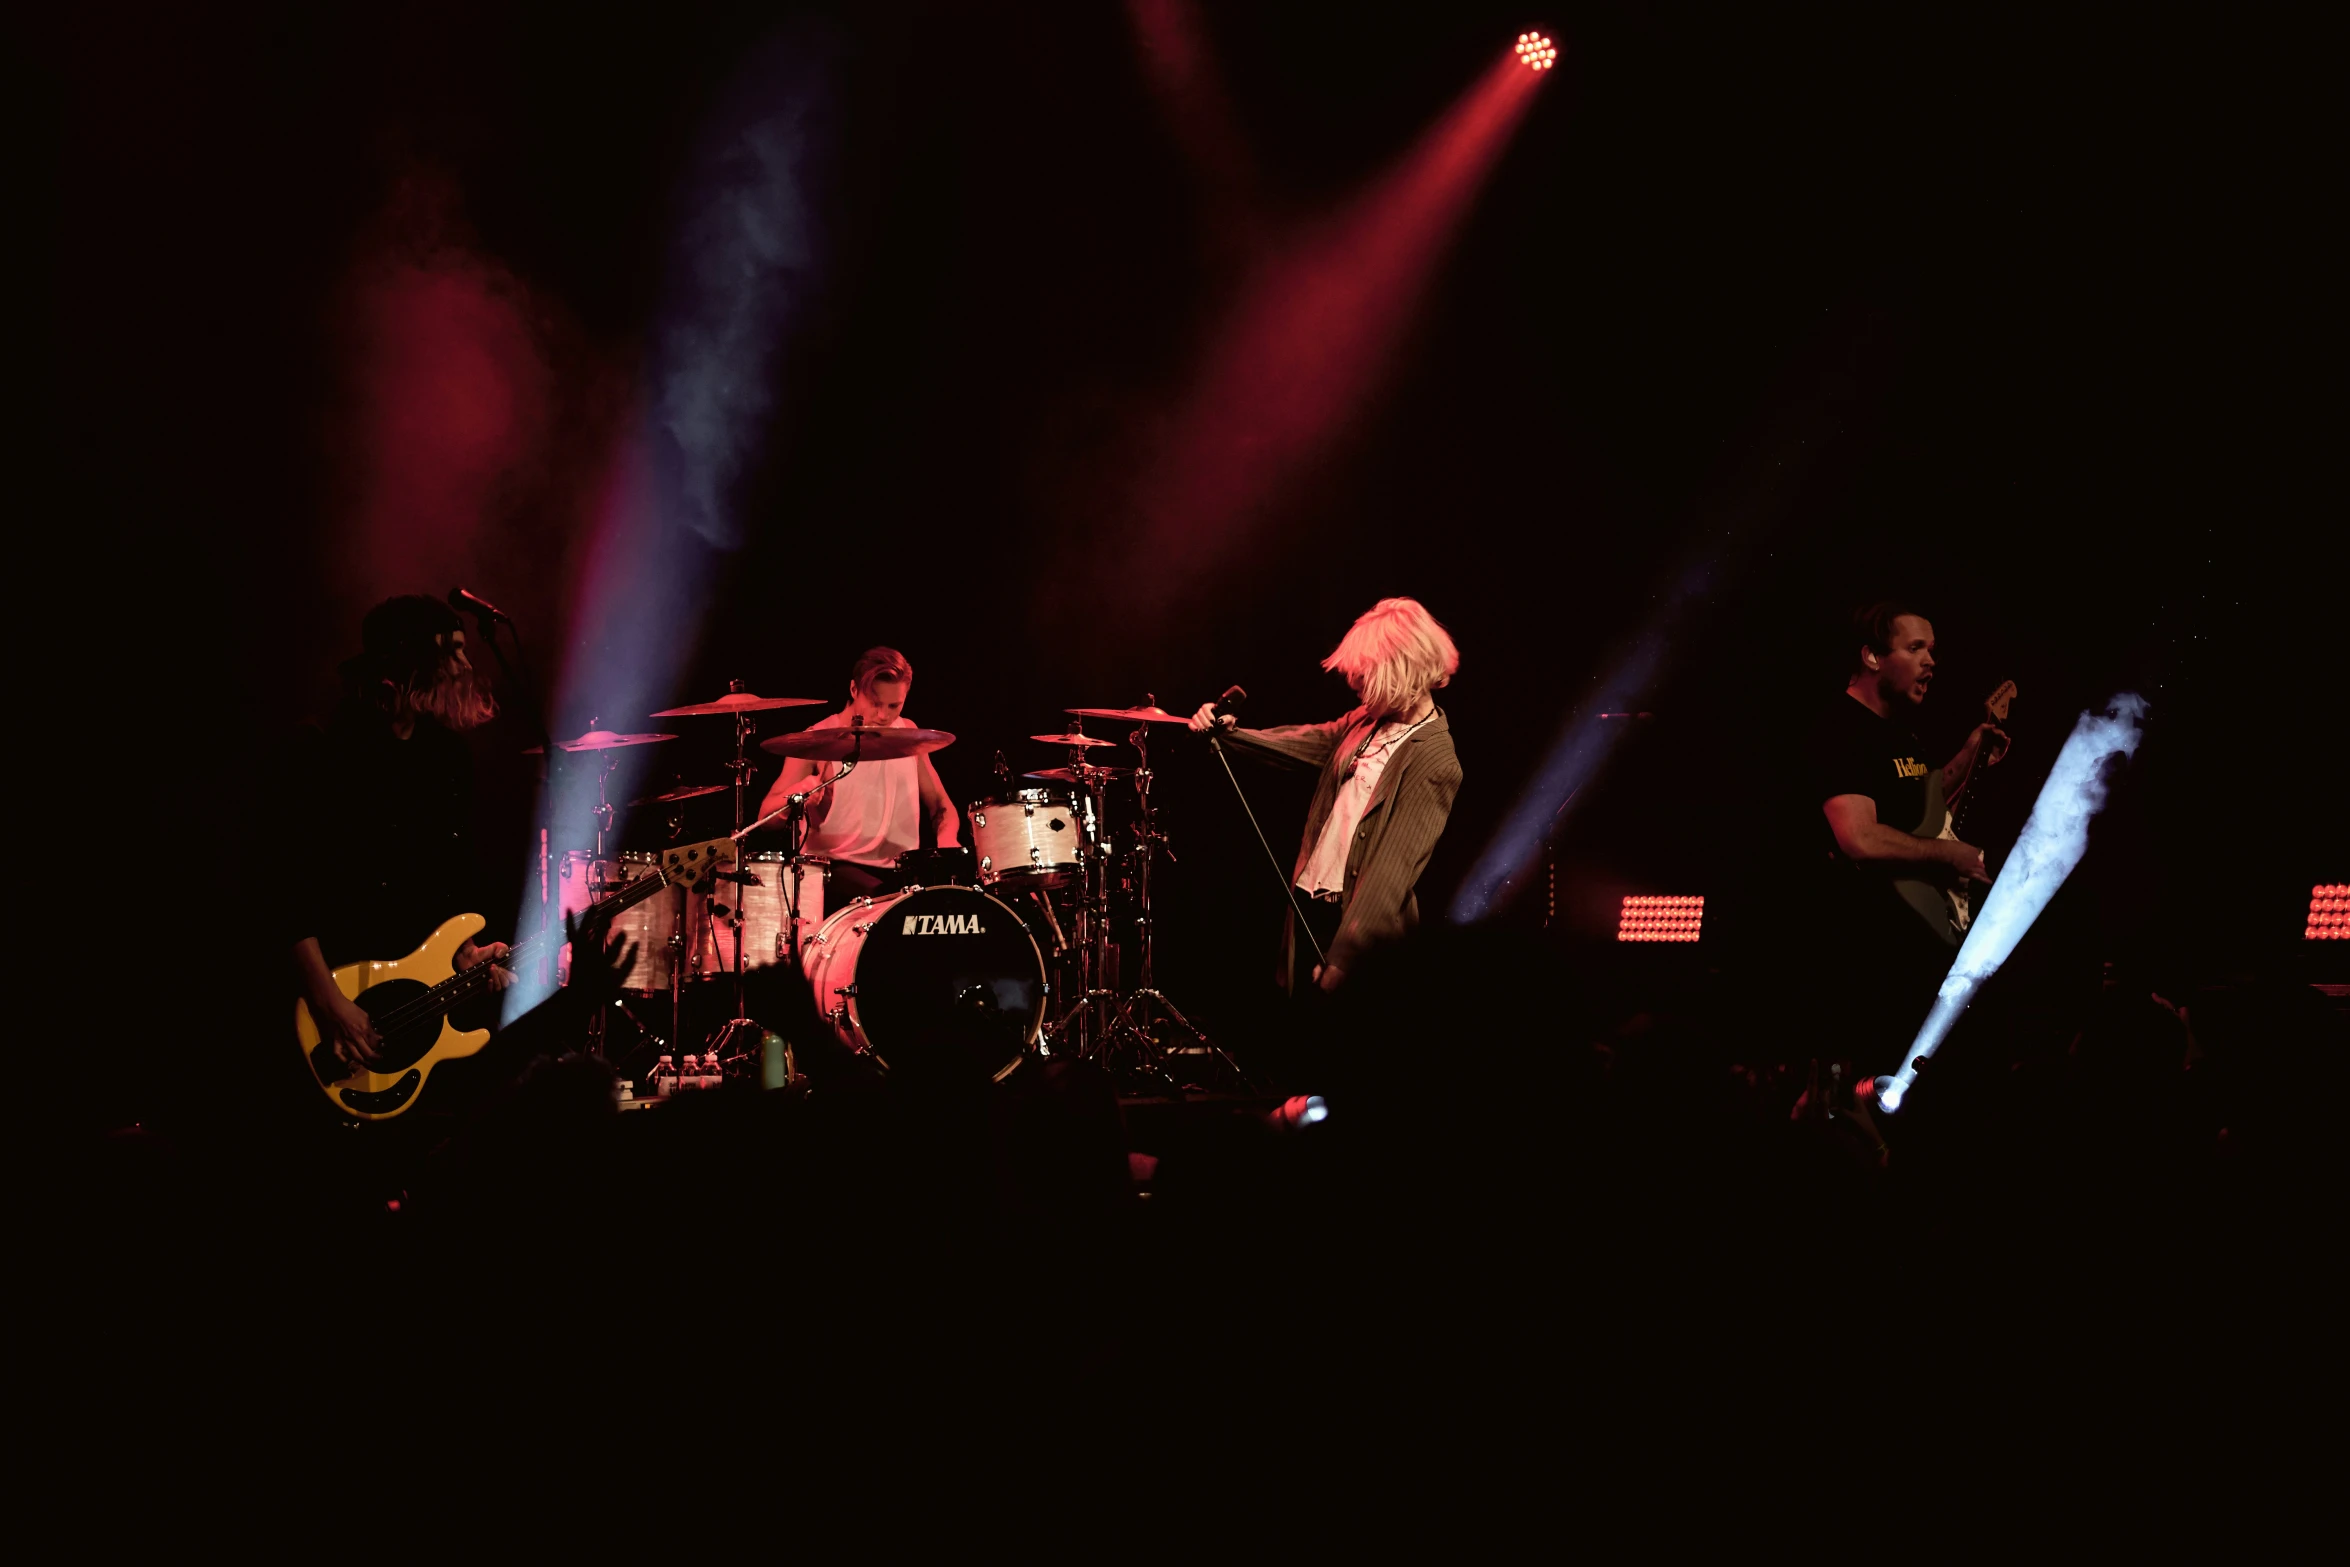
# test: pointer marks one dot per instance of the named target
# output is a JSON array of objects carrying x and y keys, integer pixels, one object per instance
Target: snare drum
[
  {"x": 939, "y": 981},
  {"x": 1032, "y": 837}
]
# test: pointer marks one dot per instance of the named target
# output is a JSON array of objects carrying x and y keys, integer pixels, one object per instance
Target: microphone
[
  {"x": 1233, "y": 696},
  {"x": 470, "y": 603}
]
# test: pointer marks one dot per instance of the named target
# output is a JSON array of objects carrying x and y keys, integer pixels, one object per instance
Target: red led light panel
[
  {"x": 1675, "y": 917},
  {"x": 1539, "y": 53},
  {"x": 2329, "y": 912}
]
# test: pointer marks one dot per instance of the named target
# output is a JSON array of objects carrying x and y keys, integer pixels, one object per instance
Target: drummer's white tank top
[{"x": 876, "y": 812}]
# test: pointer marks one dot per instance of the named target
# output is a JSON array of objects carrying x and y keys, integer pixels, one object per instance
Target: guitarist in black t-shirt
[{"x": 1867, "y": 775}]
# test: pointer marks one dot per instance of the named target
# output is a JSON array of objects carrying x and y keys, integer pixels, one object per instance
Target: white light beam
[{"x": 2052, "y": 843}]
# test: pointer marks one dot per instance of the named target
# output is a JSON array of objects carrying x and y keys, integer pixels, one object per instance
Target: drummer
[{"x": 863, "y": 822}]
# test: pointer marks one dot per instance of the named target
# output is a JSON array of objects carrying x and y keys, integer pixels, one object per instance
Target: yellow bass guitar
[{"x": 409, "y": 999}]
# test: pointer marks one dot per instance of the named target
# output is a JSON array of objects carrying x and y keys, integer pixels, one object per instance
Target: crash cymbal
[
  {"x": 845, "y": 744},
  {"x": 675, "y": 795},
  {"x": 738, "y": 702},
  {"x": 601, "y": 740},
  {"x": 1069, "y": 776},
  {"x": 1135, "y": 715},
  {"x": 1084, "y": 742}
]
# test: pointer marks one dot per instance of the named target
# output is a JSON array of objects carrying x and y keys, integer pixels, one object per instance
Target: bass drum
[{"x": 935, "y": 982}]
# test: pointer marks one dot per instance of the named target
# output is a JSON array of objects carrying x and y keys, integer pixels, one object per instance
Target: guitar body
[
  {"x": 410, "y": 1052},
  {"x": 1942, "y": 910},
  {"x": 1945, "y": 909}
]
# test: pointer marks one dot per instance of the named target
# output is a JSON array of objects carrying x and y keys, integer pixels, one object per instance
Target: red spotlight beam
[
  {"x": 1171, "y": 38},
  {"x": 1312, "y": 337}
]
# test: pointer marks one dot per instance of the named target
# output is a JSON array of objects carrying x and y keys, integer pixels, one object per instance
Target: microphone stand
[{"x": 1296, "y": 910}]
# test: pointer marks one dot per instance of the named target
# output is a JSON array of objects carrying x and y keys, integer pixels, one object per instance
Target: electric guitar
[
  {"x": 1946, "y": 909},
  {"x": 409, "y": 998}
]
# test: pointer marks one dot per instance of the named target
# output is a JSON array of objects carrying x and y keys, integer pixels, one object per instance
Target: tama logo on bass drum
[{"x": 944, "y": 925}]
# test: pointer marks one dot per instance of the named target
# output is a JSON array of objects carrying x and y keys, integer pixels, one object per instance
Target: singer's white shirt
[{"x": 1325, "y": 872}]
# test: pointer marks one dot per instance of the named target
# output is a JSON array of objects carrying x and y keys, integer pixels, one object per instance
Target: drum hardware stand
[
  {"x": 795, "y": 811},
  {"x": 1086, "y": 1012},
  {"x": 518, "y": 675},
  {"x": 1133, "y": 1029},
  {"x": 598, "y": 882},
  {"x": 739, "y": 1036}
]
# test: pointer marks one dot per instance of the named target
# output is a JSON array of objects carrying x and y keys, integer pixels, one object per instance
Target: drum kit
[{"x": 1006, "y": 946}]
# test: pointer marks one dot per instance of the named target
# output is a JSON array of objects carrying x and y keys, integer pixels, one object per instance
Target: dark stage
[{"x": 1110, "y": 356}]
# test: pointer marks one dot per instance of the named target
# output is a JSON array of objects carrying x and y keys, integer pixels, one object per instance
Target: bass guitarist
[
  {"x": 1867, "y": 775},
  {"x": 381, "y": 801}
]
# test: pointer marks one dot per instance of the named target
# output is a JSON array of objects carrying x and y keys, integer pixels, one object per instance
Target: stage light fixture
[
  {"x": 2329, "y": 912},
  {"x": 1674, "y": 917},
  {"x": 1537, "y": 51}
]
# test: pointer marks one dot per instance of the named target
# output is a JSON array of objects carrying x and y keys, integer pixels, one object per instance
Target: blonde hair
[{"x": 1392, "y": 653}]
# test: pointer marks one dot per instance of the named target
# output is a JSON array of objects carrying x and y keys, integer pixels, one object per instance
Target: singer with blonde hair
[{"x": 1388, "y": 777}]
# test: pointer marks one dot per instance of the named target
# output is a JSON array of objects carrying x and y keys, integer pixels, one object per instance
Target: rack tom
[{"x": 1032, "y": 837}]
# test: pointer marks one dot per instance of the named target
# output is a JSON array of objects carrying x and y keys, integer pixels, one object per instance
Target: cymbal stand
[
  {"x": 738, "y": 1037},
  {"x": 794, "y": 812},
  {"x": 598, "y": 882},
  {"x": 1133, "y": 1033},
  {"x": 1090, "y": 1009},
  {"x": 604, "y": 808}
]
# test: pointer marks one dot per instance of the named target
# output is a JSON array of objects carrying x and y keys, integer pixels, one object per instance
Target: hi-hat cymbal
[
  {"x": 1083, "y": 742},
  {"x": 845, "y": 744},
  {"x": 738, "y": 702},
  {"x": 601, "y": 740},
  {"x": 695, "y": 792},
  {"x": 1069, "y": 776},
  {"x": 1136, "y": 715}
]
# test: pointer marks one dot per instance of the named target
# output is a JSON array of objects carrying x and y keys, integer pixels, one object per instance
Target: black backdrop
[{"x": 2013, "y": 316}]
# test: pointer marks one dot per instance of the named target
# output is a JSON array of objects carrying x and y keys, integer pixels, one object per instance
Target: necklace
[{"x": 1360, "y": 750}]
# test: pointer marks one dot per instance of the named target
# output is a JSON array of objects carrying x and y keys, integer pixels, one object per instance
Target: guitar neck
[
  {"x": 459, "y": 988},
  {"x": 1995, "y": 712}
]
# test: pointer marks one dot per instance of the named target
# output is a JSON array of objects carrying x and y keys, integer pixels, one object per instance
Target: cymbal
[
  {"x": 738, "y": 702},
  {"x": 1138, "y": 715},
  {"x": 601, "y": 740},
  {"x": 1067, "y": 776},
  {"x": 844, "y": 744},
  {"x": 1082, "y": 741},
  {"x": 675, "y": 795}
]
